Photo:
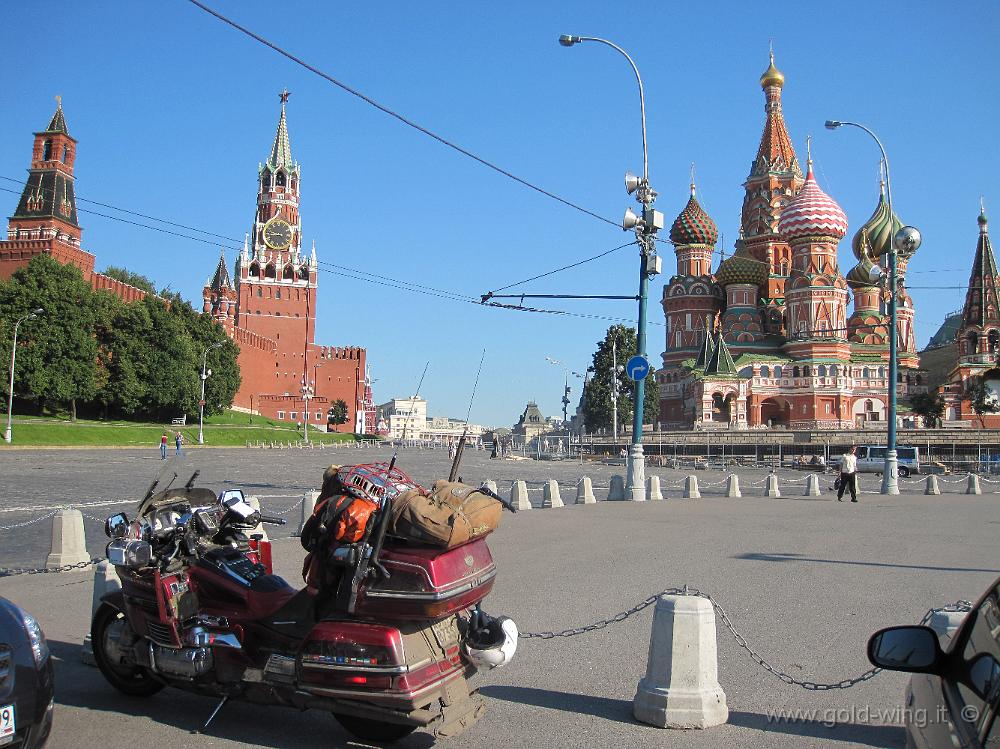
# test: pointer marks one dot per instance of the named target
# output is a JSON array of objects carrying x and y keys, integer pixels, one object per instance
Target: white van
[{"x": 871, "y": 459}]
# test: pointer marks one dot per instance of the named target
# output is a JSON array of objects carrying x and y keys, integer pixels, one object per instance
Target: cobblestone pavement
[{"x": 807, "y": 582}]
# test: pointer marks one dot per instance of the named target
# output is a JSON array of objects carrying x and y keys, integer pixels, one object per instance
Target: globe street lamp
[
  {"x": 13, "y": 355},
  {"x": 907, "y": 239},
  {"x": 645, "y": 227},
  {"x": 205, "y": 374},
  {"x": 307, "y": 390}
]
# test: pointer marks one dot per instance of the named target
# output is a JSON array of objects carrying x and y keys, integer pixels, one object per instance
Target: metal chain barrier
[
  {"x": 29, "y": 522},
  {"x": 294, "y": 506},
  {"x": 12, "y": 571},
  {"x": 787, "y": 678}
]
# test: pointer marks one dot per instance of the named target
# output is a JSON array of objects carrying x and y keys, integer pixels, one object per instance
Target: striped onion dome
[
  {"x": 812, "y": 213},
  {"x": 874, "y": 238},
  {"x": 742, "y": 267},
  {"x": 693, "y": 225}
]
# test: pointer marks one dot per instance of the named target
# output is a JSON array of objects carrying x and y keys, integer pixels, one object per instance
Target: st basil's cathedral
[{"x": 768, "y": 338}]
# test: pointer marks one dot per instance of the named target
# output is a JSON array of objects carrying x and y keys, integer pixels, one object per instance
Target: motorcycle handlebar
[{"x": 271, "y": 520}]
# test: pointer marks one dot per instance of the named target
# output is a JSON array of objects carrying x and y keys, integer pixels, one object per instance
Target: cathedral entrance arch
[
  {"x": 722, "y": 410},
  {"x": 775, "y": 412}
]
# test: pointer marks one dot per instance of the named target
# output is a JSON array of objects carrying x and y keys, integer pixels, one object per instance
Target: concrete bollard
[
  {"x": 550, "y": 494},
  {"x": 491, "y": 485},
  {"x": 69, "y": 546},
  {"x": 653, "y": 488},
  {"x": 105, "y": 581},
  {"x": 812, "y": 486},
  {"x": 946, "y": 623},
  {"x": 973, "y": 486},
  {"x": 308, "y": 506},
  {"x": 681, "y": 687},
  {"x": 617, "y": 491},
  {"x": 932, "y": 485},
  {"x": 771, "y": 488},
  {"x": 254, "y": 502},
  {"x": 691, "y": 490},
  {"x": 519, "y": 496},
  {"x": 585, "y": 492},
  {"x": 733, "y": 486}
]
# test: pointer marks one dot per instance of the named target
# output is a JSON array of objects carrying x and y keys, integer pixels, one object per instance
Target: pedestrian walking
[
  {"x": 849, "y": 474},
  {"x": 178, "y": 441},
  {"x": 163, "y": 446}
]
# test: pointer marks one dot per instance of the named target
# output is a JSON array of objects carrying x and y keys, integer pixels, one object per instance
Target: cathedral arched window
[
  {"x": 65, "y": 154},
  {"x": 972, "y": 343},
  {"x": 260, "y": 291},
  {"x": 805, "y": 371},
  {"x": 47, "y": 150},
  {"x": 866, "y": 373},
  {"x": 255, "y": 272},
  {"x": 765, "y": 371},
  {"x": 777, "y": 372},
  {"x": 821, "y": 370},
  {"x": 796, "y": 372},
  {"x": 834, "y": 370},
  {"x": 277, "y": 293},
  {"x": 265, "y": 181},
  {"x": 288, "y": 273},
  {"x": 304, "y": 273}
]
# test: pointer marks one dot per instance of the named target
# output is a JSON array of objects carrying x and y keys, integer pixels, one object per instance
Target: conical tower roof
[
  {"x": 220, "y": 280},
  {"x": 707, "y": 349},
  {"x": 775, "y": 152},
  {"x": 58, "y": 122},
  {"x": 693, "y": 225},
  {"x": 281, "y": 150},
  {"x": 982, "y": 301},
  {"x": 721, "y": 363}
]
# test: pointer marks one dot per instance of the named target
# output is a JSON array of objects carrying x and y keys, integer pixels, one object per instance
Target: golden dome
[{"x": 772, "y": 76}]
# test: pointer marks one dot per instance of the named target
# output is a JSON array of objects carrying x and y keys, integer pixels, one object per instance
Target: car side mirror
[
  {"x": 912, "y": 649},
  {"x": 116, "y": 526}
]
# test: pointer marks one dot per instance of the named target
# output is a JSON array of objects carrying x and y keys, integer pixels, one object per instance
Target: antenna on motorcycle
[
  {"x": 188, "y": 486},
  {"x": 465, "y": 432},
  {"x": 413, "y": 405}
]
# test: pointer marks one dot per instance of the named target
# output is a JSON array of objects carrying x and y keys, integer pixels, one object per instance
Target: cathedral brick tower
[
  {"x": 45, "y": 221},
  {"x": 270, "y": 311}
]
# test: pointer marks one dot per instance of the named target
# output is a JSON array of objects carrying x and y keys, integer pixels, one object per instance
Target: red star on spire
[{"x": 284, "y": 95}]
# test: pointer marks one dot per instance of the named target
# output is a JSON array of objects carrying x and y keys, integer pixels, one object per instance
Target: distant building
[
  {"x": 532, "y": 423},
  {"x": 45, "y": 221},
  {"x": 404, "y": 417}
]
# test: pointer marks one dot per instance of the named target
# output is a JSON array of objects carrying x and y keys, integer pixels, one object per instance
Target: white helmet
[{"x": 490, "y": 642}]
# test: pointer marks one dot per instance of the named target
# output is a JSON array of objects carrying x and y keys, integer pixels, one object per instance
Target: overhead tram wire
[{"x": 406, "y": 121}]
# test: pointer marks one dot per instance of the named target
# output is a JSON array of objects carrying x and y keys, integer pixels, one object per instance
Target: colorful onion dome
[
  {"x": 693, "y": 225},
  {"x": 860, "y": 276},
  {"x": 772, "y": 76},
  {"x": 874, "y": 238},
  {"x": 742, "y": 267},
  {"x": 812, "y": 212}
]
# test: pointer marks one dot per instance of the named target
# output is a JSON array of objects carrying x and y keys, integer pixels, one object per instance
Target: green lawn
[{"x": 228, "y": 429}]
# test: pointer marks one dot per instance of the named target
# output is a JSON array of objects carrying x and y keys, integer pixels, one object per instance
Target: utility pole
[
  {"x": 307, "y": 393},
  {"x": 13, "y": 357}
]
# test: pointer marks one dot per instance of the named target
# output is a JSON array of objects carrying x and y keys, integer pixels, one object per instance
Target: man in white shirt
[{"x": 849, "y": 474}]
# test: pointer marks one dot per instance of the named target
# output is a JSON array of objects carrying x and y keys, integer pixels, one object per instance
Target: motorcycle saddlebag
[{"x": 451, "y": 515}]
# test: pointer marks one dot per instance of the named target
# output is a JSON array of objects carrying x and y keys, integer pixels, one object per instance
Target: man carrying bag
[{"x": 849, "y": 474}]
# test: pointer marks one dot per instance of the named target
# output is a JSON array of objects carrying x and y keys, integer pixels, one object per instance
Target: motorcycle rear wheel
[
  {"x": 134, "y": 681},
  {"x": 373, "y": 730}
]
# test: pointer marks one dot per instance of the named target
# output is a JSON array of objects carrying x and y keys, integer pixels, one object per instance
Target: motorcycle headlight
[{"x": 39, "y": 647}]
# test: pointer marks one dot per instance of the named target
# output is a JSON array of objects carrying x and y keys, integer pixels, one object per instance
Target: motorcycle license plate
[{"x": 6, "y": 724}]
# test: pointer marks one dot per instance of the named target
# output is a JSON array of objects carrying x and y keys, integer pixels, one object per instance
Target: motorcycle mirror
[{"x": 116, "y": 526}]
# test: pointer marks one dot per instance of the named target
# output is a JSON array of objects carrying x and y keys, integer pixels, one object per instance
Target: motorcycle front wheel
[
  {"x": 373, "y": 730},
  {"x": 134, "y": 681}
]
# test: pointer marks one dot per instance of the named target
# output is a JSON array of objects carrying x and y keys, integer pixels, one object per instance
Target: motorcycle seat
[{"x": 268, "y": 584}]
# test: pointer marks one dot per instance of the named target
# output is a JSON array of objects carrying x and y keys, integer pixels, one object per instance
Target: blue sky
[{"x": 173, "y": 111}]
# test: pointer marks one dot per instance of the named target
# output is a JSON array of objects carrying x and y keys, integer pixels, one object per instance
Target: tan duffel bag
[{"x": 451, "y": 515}]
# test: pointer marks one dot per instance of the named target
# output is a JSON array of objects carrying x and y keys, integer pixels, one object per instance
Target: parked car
[
  {"x": 871, "y": 459},
  {"x": 953, "y": 698},
  {"x": 26, "y": 682}
]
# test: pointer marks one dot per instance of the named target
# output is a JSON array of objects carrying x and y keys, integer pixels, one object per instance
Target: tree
[
  {"x": 337, "y": 414},
  {"x": 930, "y": 406},
  {"x": 981, "y": 398},
  {"x": 132, "y": 279},
  {"x": 57, "y": 352},
  {"x": 597, "y": 404}
]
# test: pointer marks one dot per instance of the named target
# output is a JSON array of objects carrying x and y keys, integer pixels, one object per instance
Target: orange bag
[{"x": 352, "y": 519}]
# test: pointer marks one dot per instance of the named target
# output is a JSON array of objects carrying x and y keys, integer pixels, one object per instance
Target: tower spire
[
  {"x": 58, "y": 122},
  {"x": 281, "y": 151}
]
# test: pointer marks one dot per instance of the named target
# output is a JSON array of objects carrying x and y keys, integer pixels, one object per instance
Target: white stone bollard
[
  {"x": 550, "y": 494},
  {"x": 691, "y": 490},
  {"x": 973, "y": 486},
  {"x": 946, "y": 623},
  {"x": 254, "y": 502},
  {"x": 105, "y": 581},
  {"x": 585, "y": 492},
  {"x": 617, "y": 491},
  {"x": 492, "y": 486},
  {"x": 733, "y": 486},
  {"x": 308, "y": 506},
  {"x": 69, "y": 546},
  {"x": 812, "y": 486},
  {"x": 771, "y": 488},
  {"x": 653, "y": 488},
  {"x": 932, "y": 485},
  {"x": 681, "y": 687},
  {"x": 519, "y": 496}
]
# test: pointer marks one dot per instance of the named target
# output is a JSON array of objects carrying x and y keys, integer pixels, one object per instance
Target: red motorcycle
[{"x": 388, "y": 651}]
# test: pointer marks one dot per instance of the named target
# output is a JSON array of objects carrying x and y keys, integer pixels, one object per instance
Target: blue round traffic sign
[{"x": 637, "y": 368}]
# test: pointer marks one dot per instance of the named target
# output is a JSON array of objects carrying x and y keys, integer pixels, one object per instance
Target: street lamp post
[
  {"x": 566, "y": 391},
  {"x": 307, "y": 393},
  {"x": 13, "y": 357},
  {"x": 645, "y": 227},
  {"x": 205, "y": 374},
  {"x": 907, "y": 239}
]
